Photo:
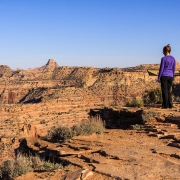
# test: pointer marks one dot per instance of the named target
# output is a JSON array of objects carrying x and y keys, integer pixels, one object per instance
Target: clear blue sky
[{"x": 99, "y": 33}]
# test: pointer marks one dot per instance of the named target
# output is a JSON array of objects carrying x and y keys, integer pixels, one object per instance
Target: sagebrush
[
  {"x": 147, "y": 116},
  {"x": 135, "y": 103},
  {"x": 88, "y": 127},
  {"x": 153, "y": 96},
  {"x": 13, "y": 168}
]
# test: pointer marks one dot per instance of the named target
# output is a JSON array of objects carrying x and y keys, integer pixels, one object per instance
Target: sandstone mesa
[{"x": 34, "y": 100}]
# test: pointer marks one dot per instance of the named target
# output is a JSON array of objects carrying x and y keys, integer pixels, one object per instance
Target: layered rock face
[
  {"x": 51, "y": 82},
  {"x": 51, "y": 64},
  {"x": 34, "y": 100}
]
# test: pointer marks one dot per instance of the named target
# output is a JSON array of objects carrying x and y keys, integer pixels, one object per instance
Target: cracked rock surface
[{"x": 119, "y": 154}]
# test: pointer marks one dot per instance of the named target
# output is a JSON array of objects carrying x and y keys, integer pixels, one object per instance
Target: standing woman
[{"x": 166, "y": 76}]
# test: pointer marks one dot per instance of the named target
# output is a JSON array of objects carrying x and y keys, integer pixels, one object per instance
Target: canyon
[{"x": 35, "y": 100}]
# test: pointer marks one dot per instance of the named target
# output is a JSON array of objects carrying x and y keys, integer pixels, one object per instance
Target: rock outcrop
[{"x": 51, "y": 64}]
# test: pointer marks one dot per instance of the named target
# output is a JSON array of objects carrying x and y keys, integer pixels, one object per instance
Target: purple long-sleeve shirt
[{"x": 167, "y": 67}]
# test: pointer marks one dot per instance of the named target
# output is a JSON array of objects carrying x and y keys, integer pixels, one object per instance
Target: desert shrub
[
  {"x": 93, "y": 125},
  {"x": 135, "y": 103},
  {"x": 61, "y": 133},
  {"x": 13, "y": 168},
  {"x": 88, "y": 127},
  {"x": 41, "y": 164},
  {"x": 136, "y": 126},
  {"x": 147, "y": 116},
  {"x": 49, "y": 166},
  {"x": 153, "y": 96},
  {"x": 37, "y": 162}
]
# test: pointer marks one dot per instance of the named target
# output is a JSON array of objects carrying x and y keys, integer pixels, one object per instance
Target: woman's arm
[
  {"x": 161, "y": 70},
  {"x": 174, "y": 67}
]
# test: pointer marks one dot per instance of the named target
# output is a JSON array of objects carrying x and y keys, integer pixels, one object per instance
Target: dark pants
[{"x": 166, "y": 87}]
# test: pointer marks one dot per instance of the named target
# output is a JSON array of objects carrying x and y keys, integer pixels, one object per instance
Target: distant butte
[{"x": 51, "y": 64}]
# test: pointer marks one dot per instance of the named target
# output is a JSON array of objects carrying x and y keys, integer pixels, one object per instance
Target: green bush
[{"x": 135, "y": 103}]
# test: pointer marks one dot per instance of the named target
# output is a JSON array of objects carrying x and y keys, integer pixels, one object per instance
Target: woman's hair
[{"x": 167, "y": 49}]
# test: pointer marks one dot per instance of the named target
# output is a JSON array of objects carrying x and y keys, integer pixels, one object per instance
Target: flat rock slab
[
  {"x": 145, "y": 170},
  {"x": 79, "y": 175}
]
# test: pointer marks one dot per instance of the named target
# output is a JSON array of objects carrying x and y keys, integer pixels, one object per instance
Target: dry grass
[{"x": 13, "y": 168}]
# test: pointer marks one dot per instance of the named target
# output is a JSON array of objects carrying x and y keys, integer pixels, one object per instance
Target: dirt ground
[{"x": 151, "y": 154}]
